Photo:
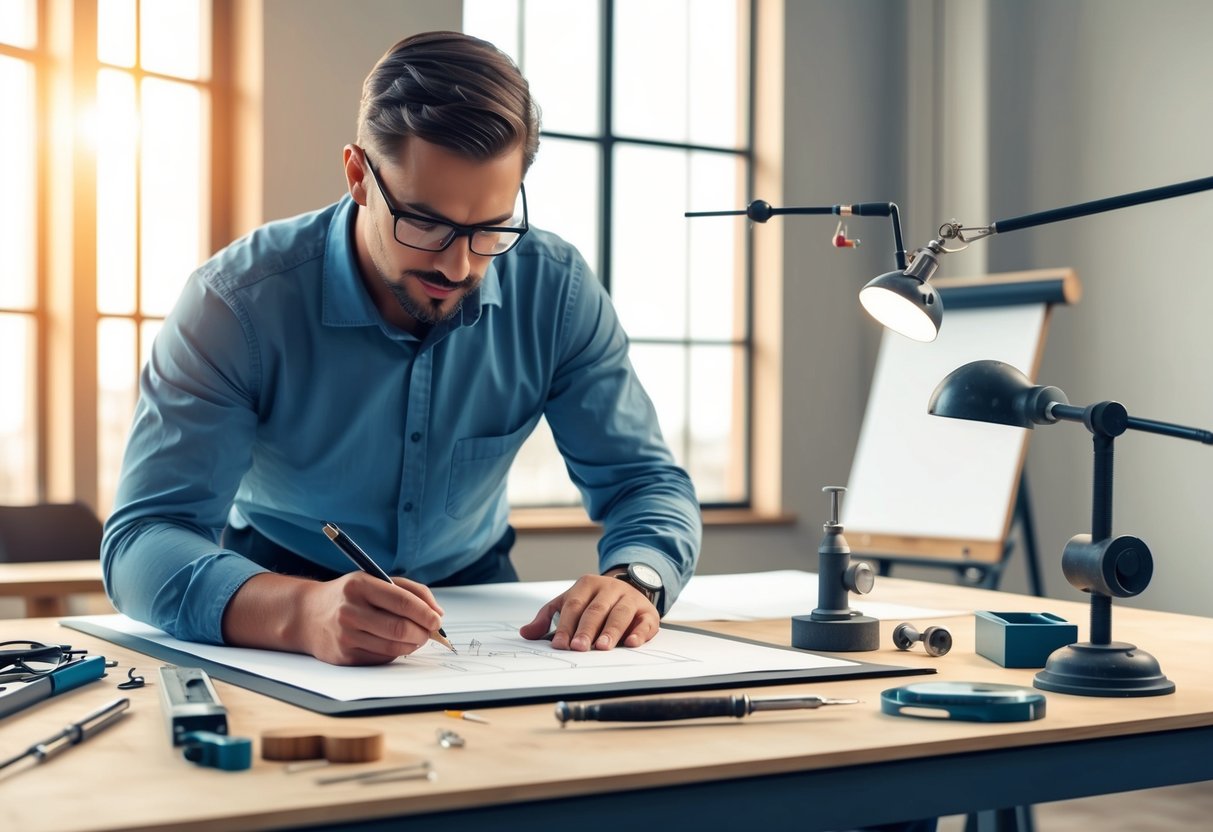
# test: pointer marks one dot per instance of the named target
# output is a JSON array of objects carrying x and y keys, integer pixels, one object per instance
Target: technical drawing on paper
[{"x": 496, "y": 647}]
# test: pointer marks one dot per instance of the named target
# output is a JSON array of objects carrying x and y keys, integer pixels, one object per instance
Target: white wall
[
  {"x": 1092, "y": 99},
  {"x": 888, "y": 101},
  {"x": 316, "y": 55}
]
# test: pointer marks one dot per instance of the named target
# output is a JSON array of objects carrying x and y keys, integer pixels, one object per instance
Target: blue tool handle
[
  {"x": 207, "y": 748},
  {"x": 653, "y": 710},
  {"x": 77, "y": 673}
]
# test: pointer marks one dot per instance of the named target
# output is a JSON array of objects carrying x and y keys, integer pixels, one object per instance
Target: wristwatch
[{"x": 645, "y": 578}]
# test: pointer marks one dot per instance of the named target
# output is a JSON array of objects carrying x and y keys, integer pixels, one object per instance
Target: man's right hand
[{"x": 352, "y": 620}]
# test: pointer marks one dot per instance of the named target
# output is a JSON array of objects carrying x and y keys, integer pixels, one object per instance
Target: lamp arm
[
  {"x": 760, "y": 211},
  {"x": 1099, "y": 206},
  {"x": 1072, "y": 413},
  {"x": 1167, "y": 429}
]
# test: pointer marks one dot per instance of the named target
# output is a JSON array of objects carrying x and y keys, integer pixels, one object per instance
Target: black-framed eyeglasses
[
  {"x": 430, "y": 234},
  {"x": 24, "y": 660}
]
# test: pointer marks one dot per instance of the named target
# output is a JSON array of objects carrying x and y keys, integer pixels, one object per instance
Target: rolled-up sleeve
[{"x": 607, "y": 430}]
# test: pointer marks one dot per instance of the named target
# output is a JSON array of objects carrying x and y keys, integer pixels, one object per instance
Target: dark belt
[{"x": 494, "y": 567}]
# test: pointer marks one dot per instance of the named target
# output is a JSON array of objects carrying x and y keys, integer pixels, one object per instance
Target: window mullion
[
  {"x": 70, "y": 424},
  {"x": 607, "y": 182}
]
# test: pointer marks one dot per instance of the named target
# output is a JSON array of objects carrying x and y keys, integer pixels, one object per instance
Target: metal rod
[{"x": 1099, "y": 206}]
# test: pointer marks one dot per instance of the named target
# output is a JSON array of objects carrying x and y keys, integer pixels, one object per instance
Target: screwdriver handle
[{"x": 653, "y": 710}]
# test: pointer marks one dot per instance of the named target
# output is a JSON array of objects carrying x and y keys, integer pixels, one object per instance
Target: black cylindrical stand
[{"x": 1102, "y": 667}]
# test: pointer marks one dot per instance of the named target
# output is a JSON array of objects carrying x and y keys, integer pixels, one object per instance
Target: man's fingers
[
  {"x": 401, "y": 601},
  {"x": 618, "y": 623},
  {"x": 643, "y": 628},
  {"x": 539, "y": 626},
  {"x": 387, "y": 612},
  {"x": 422, "y": 591}
]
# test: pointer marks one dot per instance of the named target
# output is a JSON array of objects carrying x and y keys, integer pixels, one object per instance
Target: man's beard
[{"x": 429, "y": 311}]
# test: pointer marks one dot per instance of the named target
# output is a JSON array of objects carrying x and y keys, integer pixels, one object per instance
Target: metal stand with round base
[
  {"x": 1113, "y": 669},
  {"x": 846, "y": 635}
]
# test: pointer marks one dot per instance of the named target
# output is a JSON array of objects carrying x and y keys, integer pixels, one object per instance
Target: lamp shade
[
  {"x": 904, "y": 304},
  {"x": 993, "y": 391}
]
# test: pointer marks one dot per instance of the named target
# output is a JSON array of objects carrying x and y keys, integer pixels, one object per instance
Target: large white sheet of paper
[
  {"x": 482, "y": 622},
  {"x": 780, "y": 594}
]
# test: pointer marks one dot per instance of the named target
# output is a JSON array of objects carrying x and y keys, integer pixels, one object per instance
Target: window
[
  {"x": 646, "y": 114},
  {"x": 101, "y": 231},
  {"x": 21, "y": 313},
  {"x": 153, "y": 104}
]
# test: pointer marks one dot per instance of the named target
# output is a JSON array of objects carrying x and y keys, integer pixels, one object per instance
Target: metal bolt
[{"x": 935, "y": 640}]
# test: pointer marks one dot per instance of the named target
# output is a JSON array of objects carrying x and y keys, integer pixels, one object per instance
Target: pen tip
[{"x": 330, "y": 531}]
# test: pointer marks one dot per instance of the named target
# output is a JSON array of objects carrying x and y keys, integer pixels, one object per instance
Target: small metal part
[
  {"x": 132, "y": 681},
  {"x": 413, "y": 771},
  {"x": 190, "y": 703},
  {"x": 834, "y": 491},
  {"x": 937, "y": 641},
  {"x": 449, "y": 739},
  {"x": 393, "y": 778},
  {"x": 859, "y": 578},
  {"x": 295, "y": 768}
]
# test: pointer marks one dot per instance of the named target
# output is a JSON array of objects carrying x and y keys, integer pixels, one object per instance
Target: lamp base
[
  {"x": 1114, "y": 669},
  {"x": 847, "y": 635}
]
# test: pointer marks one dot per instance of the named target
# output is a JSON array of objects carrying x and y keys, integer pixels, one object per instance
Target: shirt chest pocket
[{"x": 480, "y": 466}]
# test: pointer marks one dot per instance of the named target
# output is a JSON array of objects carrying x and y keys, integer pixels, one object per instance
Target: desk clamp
[
  {"x": 834, "y": 626},
  {"x": 197, "y": 720}
]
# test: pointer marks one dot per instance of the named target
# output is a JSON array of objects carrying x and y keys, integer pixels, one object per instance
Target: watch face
[{"x": 645, "y": 575}]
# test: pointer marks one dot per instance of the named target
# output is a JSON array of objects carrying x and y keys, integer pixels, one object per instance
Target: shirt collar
[{"x": 346, "y": 300}]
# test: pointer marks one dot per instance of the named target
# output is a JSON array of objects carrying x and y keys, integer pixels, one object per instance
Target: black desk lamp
[
  {"x": 922, "y": 312},
  {"x": 1096, "y": 563},
  {"x": 901, "y": 300}
]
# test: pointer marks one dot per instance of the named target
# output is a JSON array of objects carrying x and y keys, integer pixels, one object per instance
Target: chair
[{"x": 49, "y": 551}]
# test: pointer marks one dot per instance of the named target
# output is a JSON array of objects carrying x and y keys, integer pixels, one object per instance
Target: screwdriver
[{"x": 698, "y": 707}]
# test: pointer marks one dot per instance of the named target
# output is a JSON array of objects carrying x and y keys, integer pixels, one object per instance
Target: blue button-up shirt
[{"x": 277, "y": 395}]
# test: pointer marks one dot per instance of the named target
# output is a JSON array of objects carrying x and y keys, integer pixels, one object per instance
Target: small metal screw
[
  {"x": 935, "y": 640},
  {"x": 835, "y": 492}
]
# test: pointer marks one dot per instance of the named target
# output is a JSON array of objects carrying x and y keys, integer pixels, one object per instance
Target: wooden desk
[
  {"x": 46, "y": 586},
  {"x": 804, "y": 770}
]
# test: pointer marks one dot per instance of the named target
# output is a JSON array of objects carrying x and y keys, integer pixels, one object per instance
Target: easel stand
[{"x": 988, "y": 575}]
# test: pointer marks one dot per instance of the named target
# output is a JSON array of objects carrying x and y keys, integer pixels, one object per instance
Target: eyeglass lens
[
  {"x": 24, "y": 659},
  {"x": 435, "y": 236}
]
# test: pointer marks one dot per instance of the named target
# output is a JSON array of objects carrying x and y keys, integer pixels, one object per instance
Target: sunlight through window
[{"x": 676, "y": 139}]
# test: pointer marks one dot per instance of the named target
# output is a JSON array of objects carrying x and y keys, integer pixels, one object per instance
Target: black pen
[
  {"x": 363, "y": 561},
  {"x": 73, "y": 734},
  {"x": 698, "y": 707}
]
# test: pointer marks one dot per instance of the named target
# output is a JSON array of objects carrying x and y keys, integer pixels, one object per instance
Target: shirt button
[
  {"x": 416, "y": 437},
  {"x": 407, "y": 506}
]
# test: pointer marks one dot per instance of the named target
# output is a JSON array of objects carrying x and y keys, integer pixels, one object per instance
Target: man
[{"x": 377, "y": 364}]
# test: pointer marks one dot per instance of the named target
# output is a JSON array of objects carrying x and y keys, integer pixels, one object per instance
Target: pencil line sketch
[{"x": 496, "y": 647}]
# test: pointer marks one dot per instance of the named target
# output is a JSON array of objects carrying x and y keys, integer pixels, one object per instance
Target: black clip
[{"x": 132, "y": 681}]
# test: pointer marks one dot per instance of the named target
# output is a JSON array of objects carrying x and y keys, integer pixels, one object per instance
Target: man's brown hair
[{"x": 452, "y": 90}]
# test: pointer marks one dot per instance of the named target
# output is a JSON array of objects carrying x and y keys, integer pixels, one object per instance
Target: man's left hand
[{"x": 597, "y": 612}]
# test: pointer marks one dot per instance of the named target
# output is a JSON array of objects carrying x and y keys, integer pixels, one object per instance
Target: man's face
[{"x": 411, "y": 287}]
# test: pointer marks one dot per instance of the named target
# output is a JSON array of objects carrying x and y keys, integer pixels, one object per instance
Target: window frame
[
  {"x": 66, "y": 314},
  {"x": 606, "y": 140},
  {"x": 41, "y": 61}
]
